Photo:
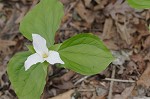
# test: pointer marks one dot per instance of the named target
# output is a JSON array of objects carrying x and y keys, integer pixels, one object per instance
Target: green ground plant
[{"x": 84, "y": 53}]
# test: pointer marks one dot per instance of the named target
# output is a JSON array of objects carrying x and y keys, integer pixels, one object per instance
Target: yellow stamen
[{"x": 45, "y": 55}]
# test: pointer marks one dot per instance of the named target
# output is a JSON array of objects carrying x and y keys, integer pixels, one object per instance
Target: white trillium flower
[{"x": 42, "y": 53}]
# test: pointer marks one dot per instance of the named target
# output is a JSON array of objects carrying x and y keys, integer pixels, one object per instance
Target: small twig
[
  {"x": 119, "y": 80},
  {"x": 80, "y": 80},
  {"x": 111, "y": 83},
  {"x": 86, "y": 90}
]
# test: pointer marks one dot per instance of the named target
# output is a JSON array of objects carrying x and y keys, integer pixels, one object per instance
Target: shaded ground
[{"x": 124, "y": 31}]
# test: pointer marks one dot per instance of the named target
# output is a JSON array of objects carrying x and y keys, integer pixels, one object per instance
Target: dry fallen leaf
[
  {"x": 23, "y": 12},
  {"x": 147, "y": 43},
  {"x": 125, "y": 94},
  {"x": 68, "y": 75},
  {"x": 87, "y": 3},
  {"x": 10, "y": 23},
  {"x": 84, "y": 13},
  {"x": 111, "y": 44},
  {"x": 65, "y": 85},
  {"x": 121, "y": 57},
  {"x": 107, "y": 34},
  {"x": 6, "y": 43},
  {"x": 137, "y": 58},
  {"x": 66, "y": 95},
  {"x": 142, "y": 29},
  {"x": 147, "y": 57},
  {"x": 124, "y": 32},
  {"x": 119, "y": 7},
  {"x": 101, "y": 4},
  {"x": 143, "y": 85},
  {"x": 145, "y": 79},
  {"x": 101, "y": 92},
  {"x": 1, "y": 6},
  {"x": 5, "y": 47},
  {"x": 131, "y": 67}
]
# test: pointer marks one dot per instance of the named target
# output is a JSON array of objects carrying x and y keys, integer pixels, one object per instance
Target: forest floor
[{"x": 124, "y": 31}]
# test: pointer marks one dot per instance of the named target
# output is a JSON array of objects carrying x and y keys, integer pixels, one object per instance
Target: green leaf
[
  {"x": 55, "y": 47},
  {"x": 31, "y": 49},
  {"x": 139, "y": 4},
  {"x": 44, "y": 19},
  {"x": 27, "y": 84},
  {"x": 85, "y": 54}
]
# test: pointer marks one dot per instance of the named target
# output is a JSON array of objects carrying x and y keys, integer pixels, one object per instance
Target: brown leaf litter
[{"x": 123, "y": 29}]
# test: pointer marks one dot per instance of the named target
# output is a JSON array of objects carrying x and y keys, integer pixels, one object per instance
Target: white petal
[
  {"x": 33, "y": 59},
  {"x": 54, "y": 58},
  {"x": 39, "y": 44}
]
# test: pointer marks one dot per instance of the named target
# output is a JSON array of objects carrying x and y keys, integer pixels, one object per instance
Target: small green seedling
[
  {"x": 83, "y": 53},
  {"x": 139, "y": 4}
]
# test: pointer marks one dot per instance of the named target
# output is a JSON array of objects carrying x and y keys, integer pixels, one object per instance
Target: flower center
[{"x": 45, "y": 55}]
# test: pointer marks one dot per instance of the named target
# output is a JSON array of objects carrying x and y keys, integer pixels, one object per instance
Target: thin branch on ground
[
  {"x": 111, "y": 83},
  {"x": 119, "y": 80},
  {"x": 80, "y": 80},
  {"x": 86, "y": 90}
]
